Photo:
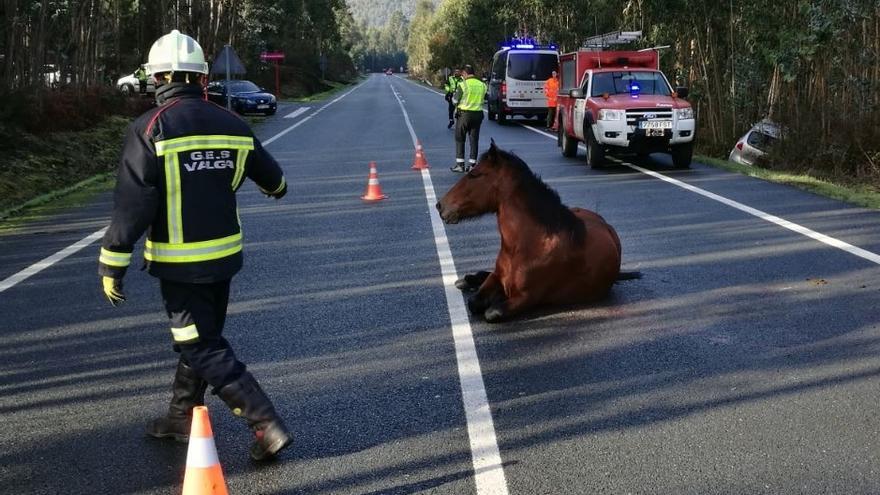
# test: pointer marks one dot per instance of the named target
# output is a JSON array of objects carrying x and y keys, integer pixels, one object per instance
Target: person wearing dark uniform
[
  {"x": 451, "y": 85},
  {"x": 468, "y": 98},
  {"x": 181, "y": 166}
]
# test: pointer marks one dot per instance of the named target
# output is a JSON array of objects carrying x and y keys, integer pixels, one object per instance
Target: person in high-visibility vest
[
  {"x": 449, "y": 87},
  {"x": 141, "y": 76},
  {"x": 468, "y": 100},
  {"x": 181, "y": 166},
  {"x": 551, "y": 90}
]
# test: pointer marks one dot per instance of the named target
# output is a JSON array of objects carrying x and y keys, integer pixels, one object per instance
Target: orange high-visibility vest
[{"x": 551, "y": 89}]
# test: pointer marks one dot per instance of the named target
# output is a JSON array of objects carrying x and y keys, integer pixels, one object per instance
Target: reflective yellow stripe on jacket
[
  {"x": 112, "y": 258},
  {"x": 191, "y": 252},
  {"x": 169, "y": 149},
  {"x": 186, "y": 334},
  {"x": 188, "y": 143}
]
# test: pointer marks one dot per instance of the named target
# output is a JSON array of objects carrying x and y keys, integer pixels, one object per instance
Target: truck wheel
[
  {"x": 127, "y": 89},
  {"x": 569, "y": 145},
  {"x": 595, "y": 151},
  {"x": 682, "y": 155}
]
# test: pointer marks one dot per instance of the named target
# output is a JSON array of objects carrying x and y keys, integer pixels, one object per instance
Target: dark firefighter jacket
[{"x": 181, "y": 165}]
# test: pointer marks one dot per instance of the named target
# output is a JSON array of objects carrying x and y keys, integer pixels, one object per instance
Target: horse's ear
[{"x": 493, "y": 149}]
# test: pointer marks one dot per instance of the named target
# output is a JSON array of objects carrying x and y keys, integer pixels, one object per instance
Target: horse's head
[{"x": 476, "y": 193}]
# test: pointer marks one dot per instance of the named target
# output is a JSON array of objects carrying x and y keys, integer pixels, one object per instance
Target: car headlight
[
  {"x": 608, "y": 114},
  {"x": 685, "y": 113}
]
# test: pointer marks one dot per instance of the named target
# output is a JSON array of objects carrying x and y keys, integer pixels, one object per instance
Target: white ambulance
[{"x": 516, "y": 80}]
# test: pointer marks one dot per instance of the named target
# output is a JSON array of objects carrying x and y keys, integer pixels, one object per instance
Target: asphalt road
[{"x": 745, "y": 361}]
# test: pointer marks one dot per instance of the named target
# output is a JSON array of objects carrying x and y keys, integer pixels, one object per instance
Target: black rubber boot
[
  {"x": 246, "y": 399},
  {"x": 188, "y": 391}
]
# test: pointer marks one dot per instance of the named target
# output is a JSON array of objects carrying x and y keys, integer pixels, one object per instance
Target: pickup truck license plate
[{"x": 655, "y": 124}]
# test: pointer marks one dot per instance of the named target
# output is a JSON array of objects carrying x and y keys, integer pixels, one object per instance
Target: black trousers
[
  {"x": 551, "y": 116},
  {"x": 468, "y": 127},
  {"x": 450, "y": 105},
  {"x": 198, "y": 313}
]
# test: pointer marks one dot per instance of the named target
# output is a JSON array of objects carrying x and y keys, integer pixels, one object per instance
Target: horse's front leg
[
  {"x": 472, "y": 282},
  {"x": 504, "y": 309},
  {"x": 490, "y": 292}
]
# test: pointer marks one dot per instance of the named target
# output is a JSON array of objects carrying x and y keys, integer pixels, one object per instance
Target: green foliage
[
  {"x": 40, "y": 164},
  {"x": 813, "y": 65},
  {"x": 377, "y": 13}
]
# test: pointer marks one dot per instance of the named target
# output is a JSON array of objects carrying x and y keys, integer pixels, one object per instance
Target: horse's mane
[{"x": 542, "y": 202}]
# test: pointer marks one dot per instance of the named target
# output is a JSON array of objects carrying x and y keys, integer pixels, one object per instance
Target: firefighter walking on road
[
  {"x": 468, "y": 98},
  {"x": 181, "y": 166},
  {"x": 451, "y": 84}
]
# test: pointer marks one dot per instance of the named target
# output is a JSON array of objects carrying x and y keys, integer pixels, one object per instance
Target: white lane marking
[
  {"x": 303, "y": 121},
  {"x": 800, "y": 229},
  {"x": 51, "y": 260},
  {"x": 297, "y": 112},
  {"x": 812, "y": 234},
  {"x": 64, "y": 253},
  {"x": 488, "y": 470}
]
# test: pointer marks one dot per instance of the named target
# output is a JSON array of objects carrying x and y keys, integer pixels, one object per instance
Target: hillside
[{"x": 377, "y": 12}]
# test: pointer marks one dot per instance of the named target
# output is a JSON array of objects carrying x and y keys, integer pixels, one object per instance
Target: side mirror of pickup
[
  {"x": 576, "y": 93},
  {"x": 681, "y": 91}
]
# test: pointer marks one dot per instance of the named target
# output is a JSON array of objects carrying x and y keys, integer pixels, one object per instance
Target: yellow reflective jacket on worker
[
  {"x": 181, "y": 166},
  {"x": 470, "y": 94}
]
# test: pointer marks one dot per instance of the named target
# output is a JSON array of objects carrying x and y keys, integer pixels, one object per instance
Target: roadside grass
[
  {"x": 55, "y": 202},
  {"x": 335, "y": 87},
  {"x": 862, "y": 195},
  {"x": 42, "y": 168}
]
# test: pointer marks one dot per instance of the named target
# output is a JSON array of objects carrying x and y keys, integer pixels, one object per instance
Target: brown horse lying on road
[{"x": 550, "y": 254}]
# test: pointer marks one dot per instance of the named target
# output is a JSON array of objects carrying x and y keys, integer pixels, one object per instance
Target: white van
[{"x": 516, "y": 80}]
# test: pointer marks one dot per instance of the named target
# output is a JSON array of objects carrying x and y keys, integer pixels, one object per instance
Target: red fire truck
[{"x": 620, "y": 102}]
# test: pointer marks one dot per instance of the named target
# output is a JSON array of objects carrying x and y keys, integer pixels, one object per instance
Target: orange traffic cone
[
  {"x": 419, "y": 163},
  {"x": 203, "y": 473},
  {"x": 374, "y": 190}
]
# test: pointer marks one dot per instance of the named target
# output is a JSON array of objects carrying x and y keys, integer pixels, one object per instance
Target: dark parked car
[{"x": 245, "y": 96}]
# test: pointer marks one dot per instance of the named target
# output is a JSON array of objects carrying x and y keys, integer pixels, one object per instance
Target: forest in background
[
  {"x": 811, "y": 65},
  {"x": 59, "y": 61},
  {"x": 90, "y": 43}
]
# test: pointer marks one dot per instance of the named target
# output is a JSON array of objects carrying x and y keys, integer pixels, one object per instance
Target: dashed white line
[
  {"x": 51, "y": 260},
  {"x": 296, "y": 113},
  {"x": 303, "y": 121},
  {"x": 489, "y": 475}
]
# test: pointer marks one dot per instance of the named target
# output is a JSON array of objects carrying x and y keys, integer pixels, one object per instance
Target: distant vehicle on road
[
  {"x": 755, "y": 143},
  {"x": 245, "y": 96},
  {"x": 389, "y": 72},
  {"x": 129, "y": 84}
]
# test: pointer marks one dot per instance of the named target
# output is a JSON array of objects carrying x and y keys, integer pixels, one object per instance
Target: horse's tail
[{"x": 629, "y": 275}]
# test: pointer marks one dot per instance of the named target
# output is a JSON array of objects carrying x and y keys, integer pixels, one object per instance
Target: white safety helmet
[{"x": 176, "y": 52}]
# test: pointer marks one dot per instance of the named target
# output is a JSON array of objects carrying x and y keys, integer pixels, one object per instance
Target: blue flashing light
[
  {"x": 634, "y": 89},
  {"x": 526, "y": 44}
]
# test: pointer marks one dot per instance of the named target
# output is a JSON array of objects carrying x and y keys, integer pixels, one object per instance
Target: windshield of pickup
[{"x": 613, "y": 83}]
